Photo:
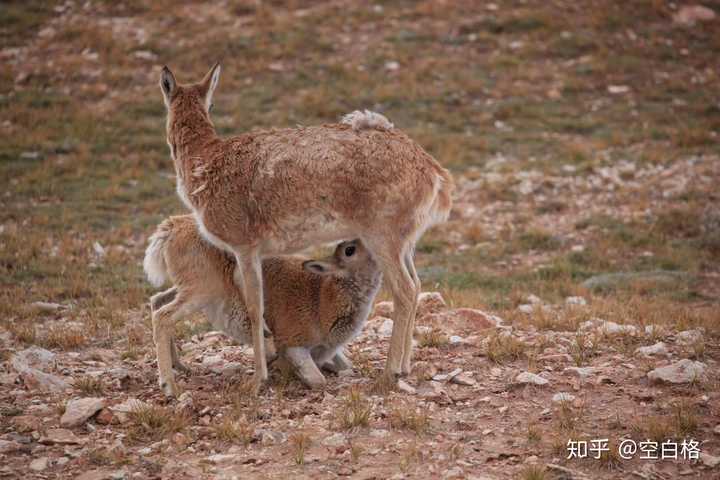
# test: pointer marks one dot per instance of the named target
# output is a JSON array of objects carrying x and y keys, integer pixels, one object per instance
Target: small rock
[
  {"x": 334, "y": 441},
  {"x": 46, "y": 306},
  {"x": 658, "y": 349},
  {"x": 455, "y": 339},
  {"x": 383, "y": 309},
  {"x": 34, "y": 357},
  {"x": 526, "y": 308},
  {"x": 392, "y": 66},
  {"x": 581, "y": 372},
  {"x": 405, "y": 387},
  {"x": 534, "y": 299},
  {"x": 221, "y": 458},
  {"x": 474, "y": 318},
  {"x": 9, "y": 446},
  {"x": 39, "y": 464},
  {"x": 463, "y": 379},
  {"x": 442, "y": 377},
  {"x": 717, "y": 429},
  {"x": 61, "y": 436},
  {"x": 563, "y": 397},
  {"x": 575, "y": 301},
  {"x": 691, "y": 14},
  {"x": 180, "y": 440},
  {"x": 271, "y": 437},
  {"x": 79, "y": 410},
  {"x": 385, "y": 328},
  {"x": 709, "y": 460},
  {"x": 185, "y": 402},
  {"x": 105, "y": 417},
  {"x": 618, "y": 89},
  {"x": 689, "y": 337},
  {"x": 145, "y": 55},
  {"x": 531, "y": 378},
  {"x": 682, "y": 371},
  {"x": 430, "y": 302}
]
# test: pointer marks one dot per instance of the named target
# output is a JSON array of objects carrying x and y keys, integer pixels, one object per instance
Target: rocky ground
[
  {"x": 486, "y": 400},
  {"x": 572, "y": 296}
]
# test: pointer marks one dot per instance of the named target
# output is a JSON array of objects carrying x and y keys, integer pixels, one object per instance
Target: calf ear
[
  {"x": 210, "y": 83},
  {"x": 318, "y": 267},
  {"x": 168, "y": 85}
]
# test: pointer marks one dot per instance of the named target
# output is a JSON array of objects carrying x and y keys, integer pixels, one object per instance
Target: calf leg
[
  {"x": 338, "y": 363},
  {"x": 305, "y": 367},
  {"x": 163, "y": 321}
]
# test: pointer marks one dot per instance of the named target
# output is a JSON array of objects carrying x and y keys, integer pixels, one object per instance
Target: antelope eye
[
  {"x": 350, "y": 251},
  {"x": 211, "y": 107}
]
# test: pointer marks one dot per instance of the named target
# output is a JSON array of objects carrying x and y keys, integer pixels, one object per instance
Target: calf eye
[{"x": 350, "y": 251}]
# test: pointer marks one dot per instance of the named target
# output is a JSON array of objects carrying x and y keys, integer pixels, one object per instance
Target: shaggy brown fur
[
  {"x": 278, "y": 191},
  {"x": 314, "y": 307}
]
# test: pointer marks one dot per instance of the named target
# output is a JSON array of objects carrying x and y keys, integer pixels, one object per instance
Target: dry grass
[
  {"x": 299, "y": 442},
  {"x": 503, "y": 348},
  {"x": 534, "y": 472},
  {"x": 433, "y": 338},
  {"x": 234, "y": 431},
  {"x": 90, "y": 386},
  {"x": 154, "y": 423},
  {"x": 355, "y": 411},
  {"x": 64, "y": 338},
  {"x": 405, "y": 417}
]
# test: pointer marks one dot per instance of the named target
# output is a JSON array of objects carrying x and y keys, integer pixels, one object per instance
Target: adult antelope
[{"x": 279, "y": 191}]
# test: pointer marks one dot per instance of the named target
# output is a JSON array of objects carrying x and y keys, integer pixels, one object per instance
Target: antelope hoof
[
  {"x": 169, "y": 388},
  {"x": 314, "y": 383}
]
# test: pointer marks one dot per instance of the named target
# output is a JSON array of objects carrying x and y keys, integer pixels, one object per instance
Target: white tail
[
  {"x": 366, "y": 120},
  {"x": 154, "y": 262}
]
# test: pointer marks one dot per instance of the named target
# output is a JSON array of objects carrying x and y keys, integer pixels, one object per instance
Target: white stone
[
  {"x": 39, "y": 464},
  {"x": 581, "y": 372},
  {"x": 618, "y": 89},
  {"x": 525, "y": 308},
  {"x": 455, "y": 339},
  {"x": 575, "y": 301},
  {"x": 691, "y": 14},
  {"x": 122, "y": 410},
  {"x": 689, "y": 337},
  {"x": 563, "y": 397},
  {"x": 385, "y": 328},
  {"x": 657, "y": 349},
  {"x": 709, "y": 460},
  {"x": 682, "y": 371},
  {"x": 534, "y": 299},
  {"x": 531, "y": 378},
  {"x": 77, "y": 411},
  {"x": 334, "y": 441}
]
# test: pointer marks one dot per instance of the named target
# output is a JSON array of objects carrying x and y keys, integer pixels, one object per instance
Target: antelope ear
[
  {"x": 168, "y": 85},
  {"x": 318, "y": 267},
  {"x": 210, "y": 83}
]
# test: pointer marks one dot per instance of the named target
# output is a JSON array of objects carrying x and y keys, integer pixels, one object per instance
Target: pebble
[
  {"x": 385, "y": 328},
  {"x": 689, "y": 337},
  {"x": 39, "y": 464},
  {"x": 575, "y": 301},
  {"x": 61, "y": 436},
  {"x": 79, "y": 410},
  {"x": 657, "y": 349},
  {"x": 682, "y": 371},
  {"x": 531, "y": 378},
  {"x": 581, "y": 372}
]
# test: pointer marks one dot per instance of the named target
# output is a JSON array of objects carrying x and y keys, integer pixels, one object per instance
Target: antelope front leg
[
  {"x": 305, "y": 367},
  {"x": 248, "y": 276},
  {"x": 410, "y": 327}
]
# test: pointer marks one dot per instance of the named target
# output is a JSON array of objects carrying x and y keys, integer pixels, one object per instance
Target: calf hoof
[{"x": 315, "y": 383}]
